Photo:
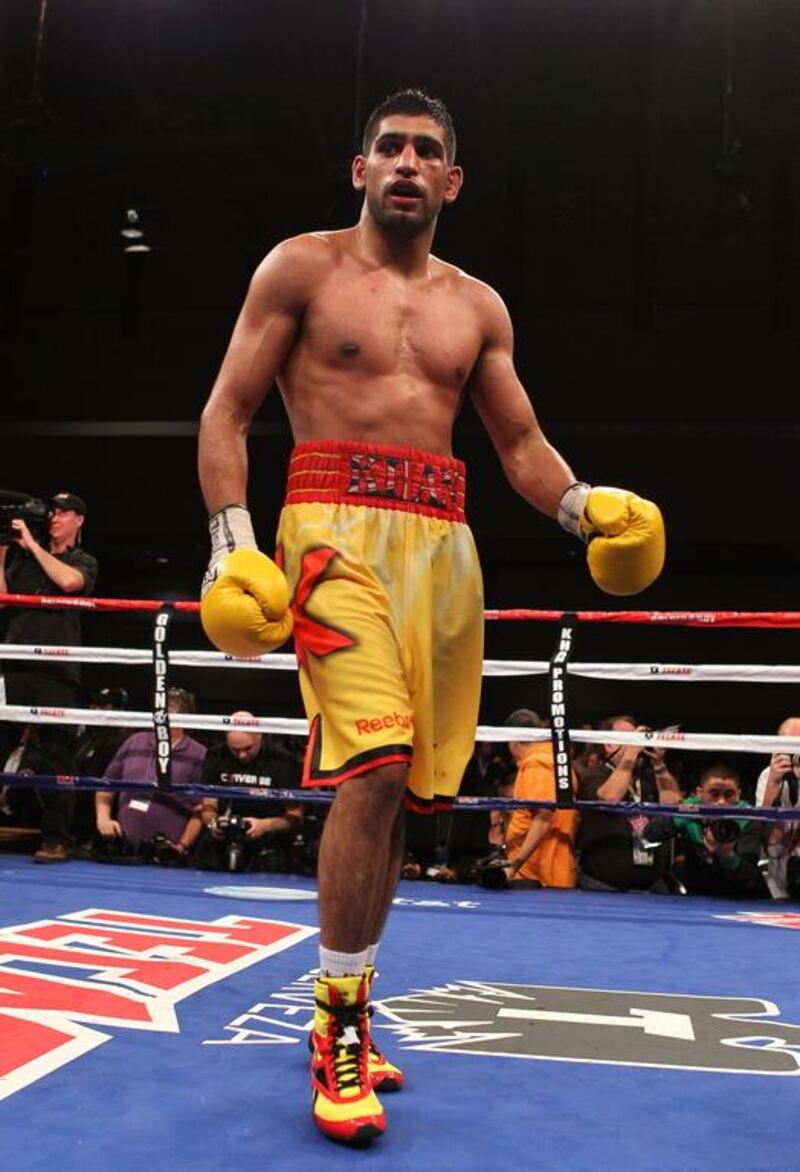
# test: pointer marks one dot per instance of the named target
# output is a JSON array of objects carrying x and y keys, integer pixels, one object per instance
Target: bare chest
[{"x": 375, "y": 328}]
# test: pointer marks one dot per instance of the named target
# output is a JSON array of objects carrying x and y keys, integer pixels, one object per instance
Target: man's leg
[
  {"x": 357, "y": 867},
  {"x": 360, "y": 857}
]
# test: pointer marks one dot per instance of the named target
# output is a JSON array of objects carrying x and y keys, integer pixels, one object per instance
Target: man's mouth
[{"x": 405, "y": 191}]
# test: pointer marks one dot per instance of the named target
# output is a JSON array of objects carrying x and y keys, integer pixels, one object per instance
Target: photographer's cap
[{"x": 69, "y": 500}]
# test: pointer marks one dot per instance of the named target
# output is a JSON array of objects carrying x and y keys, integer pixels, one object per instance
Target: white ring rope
[
  {"x": 114, "y": 718},
  {"x": 277, "y": 661}
]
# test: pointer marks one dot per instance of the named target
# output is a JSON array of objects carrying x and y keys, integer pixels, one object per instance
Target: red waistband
[{"x": 345, "y": 472}]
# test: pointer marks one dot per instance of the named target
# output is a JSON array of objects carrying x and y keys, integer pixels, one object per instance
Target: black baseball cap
[
  {"x": 110, "y": 698},
  {"x": 69, "y": 500}
]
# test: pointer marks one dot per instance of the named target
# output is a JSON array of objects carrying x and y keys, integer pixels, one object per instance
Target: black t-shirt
[
  {"x": 273, "y": 768},
  {"x": 607, "y": 842},
  {"x": 51, "y": 628}
]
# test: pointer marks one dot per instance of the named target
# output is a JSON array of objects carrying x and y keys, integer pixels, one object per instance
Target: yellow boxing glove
[
  {"x": 245, "y": 596},
  {"x": 627, "y": 544}
]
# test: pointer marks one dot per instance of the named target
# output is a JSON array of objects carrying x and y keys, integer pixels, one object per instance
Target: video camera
[{"x": 21, "y": 506}]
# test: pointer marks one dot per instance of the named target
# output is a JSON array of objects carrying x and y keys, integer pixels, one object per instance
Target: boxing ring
[{"x": 158, "y": 1017}]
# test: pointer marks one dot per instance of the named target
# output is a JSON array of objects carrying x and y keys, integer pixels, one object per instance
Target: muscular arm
[
  {"x": 532, "y": 465},
  {"x": 262, "y": 339}
]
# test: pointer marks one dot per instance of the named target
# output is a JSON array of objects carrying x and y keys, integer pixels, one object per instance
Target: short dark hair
[
  {"x": 723, "y": 771},
  {"x": 608, "y": 722},
  {"x": 416, "y": 102}
]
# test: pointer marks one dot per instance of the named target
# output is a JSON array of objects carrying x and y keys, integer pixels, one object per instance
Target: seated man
[
  {"x": 716, "y": 857},
  {"x": 141, "y": 816},
  {"x": 539, "y": 842},
  {"x": 612, "y": 857},
  {"x": 248, "y": 834}
]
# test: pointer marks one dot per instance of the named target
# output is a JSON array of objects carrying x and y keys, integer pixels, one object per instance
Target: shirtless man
[{"x": 373, "y": 343}]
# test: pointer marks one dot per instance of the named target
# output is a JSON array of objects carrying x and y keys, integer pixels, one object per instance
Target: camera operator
[
  {"x": 715, "y": 857},
  {"x": 248, "y": 834},
  {"x": 59, "y": 566},
  {"x": 779, "y": 785},
  {"x": 611, "y": 854},
  {"x": 161, "y": 824}
]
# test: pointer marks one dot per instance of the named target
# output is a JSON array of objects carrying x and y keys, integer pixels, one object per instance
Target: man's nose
[{"x": 407, "y": 162}]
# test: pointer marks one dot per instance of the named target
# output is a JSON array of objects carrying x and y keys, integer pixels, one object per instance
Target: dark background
[{"x": 631, "y": 191}]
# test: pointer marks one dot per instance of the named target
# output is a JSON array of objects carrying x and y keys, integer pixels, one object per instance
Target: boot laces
[{"x": 346, "y": 1046}]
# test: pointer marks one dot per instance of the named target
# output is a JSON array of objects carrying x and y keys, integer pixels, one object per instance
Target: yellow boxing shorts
[{"x": 387, "y": 598}]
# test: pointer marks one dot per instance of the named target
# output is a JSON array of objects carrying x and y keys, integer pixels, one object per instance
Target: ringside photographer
[
  {"x": 252, "y": 833},
  {"x": 779, "y": 786},
  {"x": 611, "y": 854},
  {"x": 159, "y": 825},
  {"x": 715, "y": 856},
  {"x": 40, "y": 553}
]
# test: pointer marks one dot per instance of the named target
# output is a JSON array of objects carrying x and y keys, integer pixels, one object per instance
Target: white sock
[
  {"x": 341, "y": 964},
  {"x": 372, "y": 953}
]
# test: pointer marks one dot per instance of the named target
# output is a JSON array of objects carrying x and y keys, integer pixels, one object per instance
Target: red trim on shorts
[
  {"x": 438, "y": 804},
  {"x": 378, "y": 476}
]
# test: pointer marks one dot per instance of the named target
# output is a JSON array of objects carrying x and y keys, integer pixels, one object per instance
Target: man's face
[
  {"x": 719, "y": 791},
  {"x": 406, "y": 177},
  {"x": 618, "y": 726},
  {"x": 65, "y": 525},
  {"x": 244, "y": 746}
]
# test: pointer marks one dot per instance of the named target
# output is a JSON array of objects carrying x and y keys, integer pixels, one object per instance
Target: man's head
[
  {"x": 244, "y": 745},
  {"x": 623, "y": 723},
  {"x": 406, "y": 168},
  {"x": 109, "y": 698},
  {"x": 180, "y": 700},
  {"x": 68, "y": 512},
  {"x": 522, "y": 718},
  {"x": 719, "y": 785},
  {"x": 418, "y": 104}
]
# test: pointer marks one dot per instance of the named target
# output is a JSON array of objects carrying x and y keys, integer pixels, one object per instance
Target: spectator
[
  {"x": 265, "y": 841},
  {"x": 611, "y": 853},
  {"x": 716, "y": 857},
  {"x": 27, "y": 567},
  {"x": 464, "y": 835},
  {"x": 778, "y": 785},
  {"x": 20, "y": 807},
  {"x": 142, "y": 816},
  {"x": 539, "y": 842},
  {"x": 95, "y": 749}
]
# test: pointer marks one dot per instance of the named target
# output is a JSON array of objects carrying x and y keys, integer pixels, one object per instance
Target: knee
[{"x": 381, "y": 790}]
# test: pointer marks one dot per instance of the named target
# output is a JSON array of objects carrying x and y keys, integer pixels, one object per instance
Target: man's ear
[
  {"x": 455, "y": 181},
  {"x": 359, "y": 172}
]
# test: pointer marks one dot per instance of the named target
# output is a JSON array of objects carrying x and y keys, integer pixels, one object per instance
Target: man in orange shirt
[{"x": 539, "y": 842}]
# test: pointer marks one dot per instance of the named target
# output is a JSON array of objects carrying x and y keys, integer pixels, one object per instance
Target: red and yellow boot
[
  {"x": 343, "y": 1104},
  {"x": 383, "y": 1074}
]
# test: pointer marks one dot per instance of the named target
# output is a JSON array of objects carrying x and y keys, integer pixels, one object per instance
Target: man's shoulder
[{"x": 464, "y": 284}]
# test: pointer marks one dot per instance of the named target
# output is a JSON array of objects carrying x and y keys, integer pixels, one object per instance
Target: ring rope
[
  {"x": 781, "y": 619},
  {"x": 664, "y": 739},
  {"x": 469, "y": 804},
  {"x": 742, "y": 673}
]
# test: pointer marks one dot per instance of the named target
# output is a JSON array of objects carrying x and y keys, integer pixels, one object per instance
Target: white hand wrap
[
  {"x": 229, "y": 528},
  {"x": 571, "y": 507}
]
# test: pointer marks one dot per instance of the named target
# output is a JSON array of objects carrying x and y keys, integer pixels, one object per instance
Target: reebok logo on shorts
[{"x": 376, "y": 724}]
